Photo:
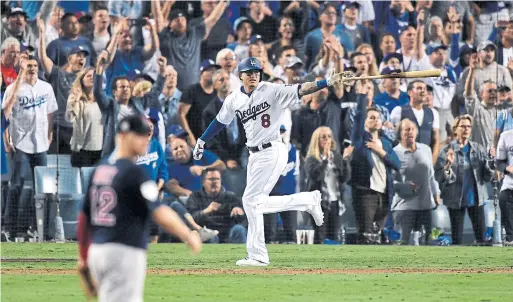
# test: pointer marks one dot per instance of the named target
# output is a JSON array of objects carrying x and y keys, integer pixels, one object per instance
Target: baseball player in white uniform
[{"x": 260, "y": 107}]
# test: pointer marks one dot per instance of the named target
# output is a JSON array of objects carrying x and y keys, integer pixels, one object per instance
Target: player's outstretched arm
[
  {"x": 312, "y": 87},
  {"x": 171, "y": 223}
]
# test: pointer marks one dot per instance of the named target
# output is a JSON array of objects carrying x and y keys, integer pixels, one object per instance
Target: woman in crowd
[
  {"x": 462, "y": 171},
  {"x": 85, "y": 115},
  {"x": 327, "y": 172},
  {"x": 416, "y": 190},
  {"x": 286, "y": 32}
]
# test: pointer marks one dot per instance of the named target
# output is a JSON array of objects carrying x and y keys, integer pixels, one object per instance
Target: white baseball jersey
[{"x": 261, "y": 112}]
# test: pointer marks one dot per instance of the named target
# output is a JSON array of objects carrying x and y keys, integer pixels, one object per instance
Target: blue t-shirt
[
  {"x": 154, "y": 161},
  {"x": 123, "y": 63},
  {"x": 183, "y": 175},
  {"x": 469, "y": 192},
  {"x": 119, "y": 202},
  {"x": 5, "y": 124},
  {"x": 313, "y": 42},
  {"x": 58, "y": 50},
  {"x": 385, "y": 100},
  {"x": 504, "y": 120}
]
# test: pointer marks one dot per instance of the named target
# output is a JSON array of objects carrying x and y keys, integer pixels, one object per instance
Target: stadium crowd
[{"x": 390, "y": 148}]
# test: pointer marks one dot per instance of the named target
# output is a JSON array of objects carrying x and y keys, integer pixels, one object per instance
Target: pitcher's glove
[{"x": 86, "y": 280}]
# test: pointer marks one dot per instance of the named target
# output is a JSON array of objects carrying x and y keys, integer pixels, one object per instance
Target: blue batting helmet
[{"x": 248, "y": 64}]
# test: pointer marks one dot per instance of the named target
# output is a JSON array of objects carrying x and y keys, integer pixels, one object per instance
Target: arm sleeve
[
  {"x": 162, "y": 171},
  {"x": 501, "y": 118},
  {"x": 212, "y": 130},
  {"x": 436, "y": 119}
]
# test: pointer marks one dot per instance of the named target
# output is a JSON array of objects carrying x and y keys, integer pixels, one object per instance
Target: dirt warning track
[{"x": 275, "y": 271}]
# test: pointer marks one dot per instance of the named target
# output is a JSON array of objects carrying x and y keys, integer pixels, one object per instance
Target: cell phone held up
[{"x": 137, "y": 22}]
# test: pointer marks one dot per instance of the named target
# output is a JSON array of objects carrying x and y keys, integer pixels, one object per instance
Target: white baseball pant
[
  {"x": 119, "y": 271},
  {"x": 263, "y": 171}
]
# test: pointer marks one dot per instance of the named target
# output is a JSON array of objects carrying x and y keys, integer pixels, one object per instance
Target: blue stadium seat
[
  {"x": 85, "y": 175},
  {"x": 64, "y": 160}
]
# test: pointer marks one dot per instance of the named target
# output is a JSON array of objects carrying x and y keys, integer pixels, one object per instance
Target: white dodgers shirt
[
  {"x": 261, "y": 112},
  {"x": 29, "y": 120},
  {"x": 505, "y": 152}
]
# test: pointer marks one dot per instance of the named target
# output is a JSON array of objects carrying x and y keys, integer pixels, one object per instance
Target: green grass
[{"x": 266, "y": 286}]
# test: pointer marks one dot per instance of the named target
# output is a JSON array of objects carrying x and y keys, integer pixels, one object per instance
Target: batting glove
[{"x": 197, "y": 153}]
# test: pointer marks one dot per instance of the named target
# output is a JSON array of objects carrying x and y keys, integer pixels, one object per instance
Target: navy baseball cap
[
  {"x": 239, "y": 22},
  {"x": 134, "y": 123},
  {"x": 467, "y": 48},
  {"x": 348, "y": 4},
  {"x": 17, "y": 11},
  {"x": 503, "y": 88},
  {"x": 434, "y": 47},
  {"x": 388, "y": 70},
  {"x": 176, "y": 130},
  {"x": 78, "y": 49},
  {"x": 393, "y": 55},
  {"x": 135, "y": 74},
  {"x": 283, "y": 128},
  {"x": 294, "y": 61},
  {"x": 176, "y": 13},
  {"x": 206, "y": 64},
  {"x": 254, "y": 39}
]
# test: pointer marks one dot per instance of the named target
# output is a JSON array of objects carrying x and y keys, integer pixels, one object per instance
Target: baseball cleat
[
  {"x": 250, "y": 262},
  {"x": 207, "y": 234},
  {"x": 315, "y": 210}
]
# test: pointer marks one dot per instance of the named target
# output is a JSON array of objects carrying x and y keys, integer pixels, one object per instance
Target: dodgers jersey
[{"x": 261, "y": 111}]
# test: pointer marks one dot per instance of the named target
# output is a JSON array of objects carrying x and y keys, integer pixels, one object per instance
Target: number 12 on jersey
[
  {"x": 103, "y": 201},
  {"x": 266, "y": 120}
]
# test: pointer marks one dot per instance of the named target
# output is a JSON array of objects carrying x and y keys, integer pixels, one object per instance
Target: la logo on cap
[{"x": 253, "y": 63}]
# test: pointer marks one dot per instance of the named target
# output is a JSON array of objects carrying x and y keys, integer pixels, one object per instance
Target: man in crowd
[
  {"x": 184, "y": 171},
  {"x": 243, "y": 29},
  {"x": 195, "y": 99},
  {"x": 9, "y": 60},
  {"x": 228, "y": 61},
  {"x": 170, "y": 98},
  {"x": 262, "y": 24},
  {"x": 217, "y": 209},
  {"x": 100, "y": 35},
  {"x": 426, "y": 119},
  {"x": 359, "y": 34},
  {"x": 181, "y": 43},
  {"x": 392, "y": 96},
  {"x": 127, "y": 57},
  {"x": 407, "y": 47},
  {"x": 285, "y": 53},
  {"x": 19, "y": 27},
  {"x": 486, "y": 69},
  {"x": 122, "y": 103},
  {"x": 31, "y": 134},
  {"x": 483, "y": 112},
  {"x": 229, "y": 144},
  {"x": 222, "y": 29},
  {"x": 314, "y": 39},
  {"x": 62, "y": 79},
  {"x": 58, "y": 49}
]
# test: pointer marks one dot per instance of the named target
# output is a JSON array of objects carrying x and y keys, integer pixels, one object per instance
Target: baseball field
[{"x": 45, "y": 272}]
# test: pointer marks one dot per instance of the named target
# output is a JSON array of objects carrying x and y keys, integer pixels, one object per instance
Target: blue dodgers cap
[
  {"x": 388, "y": 70},
  {"x": 206, "y": 64},
  {"x": 254, "y": 39},
  {"x": 134, "y": 123},
  {"x": 239, "y": 22},
  {"x": 348, "y": 4},
  {"x": 434, "y": 47},
  {"x": 283, "y": 128},
  {"x": 393, "y": 55},
  {"x": 78, "y": 49},
  {"x": 176, "y": 13},
  {"x": 176, "y": 130}
]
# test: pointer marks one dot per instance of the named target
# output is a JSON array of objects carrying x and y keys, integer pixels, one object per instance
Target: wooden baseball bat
[{"x": 405, "y": 74}]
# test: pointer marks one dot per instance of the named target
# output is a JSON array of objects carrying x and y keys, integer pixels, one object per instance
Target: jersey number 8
[
  {"x": 103, "y": 200},
  {"x": 266, "y": 120}
]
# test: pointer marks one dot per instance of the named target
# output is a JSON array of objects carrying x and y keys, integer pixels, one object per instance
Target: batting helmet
[{"x": 248, "y": 64}]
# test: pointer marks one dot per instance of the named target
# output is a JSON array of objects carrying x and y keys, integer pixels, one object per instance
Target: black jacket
[
  {"x": 220, "y": 144},
  {"x": 219, "y": 220},
  {"x": 316, "y": 169}
]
